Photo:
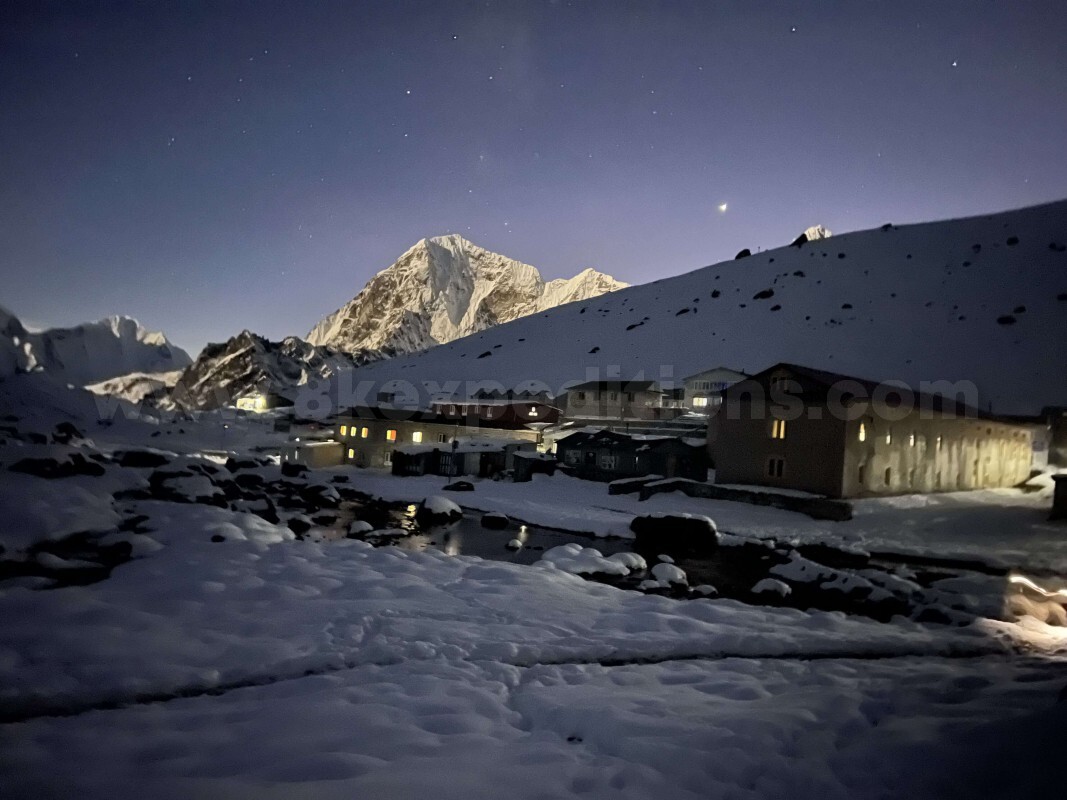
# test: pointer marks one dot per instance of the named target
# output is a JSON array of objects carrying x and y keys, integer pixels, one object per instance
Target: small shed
[
  {"x": 529, "y": 464},
  {"x": 312, "y": 454}
]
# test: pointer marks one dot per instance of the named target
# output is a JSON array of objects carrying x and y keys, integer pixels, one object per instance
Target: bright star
[{"x": 722, "y": 208}]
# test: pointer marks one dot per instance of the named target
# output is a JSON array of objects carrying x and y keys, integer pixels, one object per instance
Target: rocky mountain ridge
[{"x": 445, "y": 288}]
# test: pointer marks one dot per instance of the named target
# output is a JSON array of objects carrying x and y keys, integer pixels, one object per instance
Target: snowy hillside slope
[
  {"x": 442, "y": 289},
  {"x": 981, "y": 299},
  {"x": 87, "y": 353},
  {"x": 247, "y": 363},
  {"x": 138, "y": 387}
]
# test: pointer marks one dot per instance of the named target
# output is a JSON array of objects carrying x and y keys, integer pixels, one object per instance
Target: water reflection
[{"x": 467, "y": 537}]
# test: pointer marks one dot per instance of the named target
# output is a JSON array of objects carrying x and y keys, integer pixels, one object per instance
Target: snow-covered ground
[{"x": 230, "y": 659}]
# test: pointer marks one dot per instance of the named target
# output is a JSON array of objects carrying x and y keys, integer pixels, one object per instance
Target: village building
[
  {"x": 370, "y": 434},
  {"x": 794, "y": 427},
  {"x": 507, "y": 410},
  {"x": 259, "y": 402},
  {"x": 602, "y": 455},
  {"x": 614, "y": 400},
  {"x": 702, "y": 391},
  {"x": 313, "y": 455}
]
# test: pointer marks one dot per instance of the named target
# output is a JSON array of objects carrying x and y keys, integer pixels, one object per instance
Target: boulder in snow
[
  {"x": 436, "y": 510},
  {"x": 495, "y": 521}
]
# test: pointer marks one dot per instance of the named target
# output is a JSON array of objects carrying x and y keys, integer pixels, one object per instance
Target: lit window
[
  {"x": 700, "y": 402},
  {"x": 938, "y": 442},
  {"x": 351, "y": 453},
  {"x": 775, "y": 467},
  {"x": 390, "y": 435},
  {"x": 416, "y": 437},
  {"x": 911, "y": 440},
  {"x": 344, "y": 430},
  {"x": 863, "y": 436},
  {"x": 889, "y": 437},
  {"x": 778, "y": 429},
  {"x": 364, "y": 433},
  {"x": 532, "y": 411}
]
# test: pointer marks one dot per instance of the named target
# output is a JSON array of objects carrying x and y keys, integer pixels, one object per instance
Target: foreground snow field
[{"x": 229, "y": 658}]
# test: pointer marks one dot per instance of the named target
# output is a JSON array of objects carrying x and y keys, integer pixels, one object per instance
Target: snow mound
[
  {"x": 772, "y": 586},
  {"x": 437, "y": 505},
  {"x": 668, "y": 574},
  {"x": 578, "y": 560}
]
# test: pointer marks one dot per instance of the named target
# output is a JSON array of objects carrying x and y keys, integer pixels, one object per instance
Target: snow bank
[{"x": 578, "y": 560}]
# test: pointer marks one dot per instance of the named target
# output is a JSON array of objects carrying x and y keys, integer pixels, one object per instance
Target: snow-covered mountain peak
[
  {"x": 87, "y": 353},
  {"x": 816, "y": 232},
  {"x": 441, "y": 289}
]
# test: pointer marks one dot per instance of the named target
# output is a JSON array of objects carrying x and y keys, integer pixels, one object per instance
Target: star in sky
[{"x": 723, "y": 207}]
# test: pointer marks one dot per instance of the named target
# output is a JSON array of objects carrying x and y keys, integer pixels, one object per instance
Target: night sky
[{"x": 208, "y": 167}]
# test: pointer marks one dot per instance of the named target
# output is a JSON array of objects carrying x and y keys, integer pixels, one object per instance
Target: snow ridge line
[{"x": 28, "y": 712}]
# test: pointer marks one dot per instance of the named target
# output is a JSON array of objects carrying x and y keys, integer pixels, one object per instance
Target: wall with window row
[
  {"x": 933, "y": 455},
  {"x": 370, "y": 442}
]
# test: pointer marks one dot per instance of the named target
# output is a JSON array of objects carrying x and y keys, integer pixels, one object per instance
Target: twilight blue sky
[{"x": 213, "y": 166}]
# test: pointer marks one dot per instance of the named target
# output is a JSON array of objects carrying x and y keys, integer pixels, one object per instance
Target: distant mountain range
[
  {"x": 982, "y": 300},
  {"x": 87, "y": 353}
]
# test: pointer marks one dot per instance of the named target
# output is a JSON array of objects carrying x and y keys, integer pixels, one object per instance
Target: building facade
[
  {"x": 370, "y": 435},
  {"x": 609, "y": 456},
  {"x": 614, "y": 400},
  {"x": 797, "y": 428},
  {"x": 313, "y": 455},
  {"x": 703, "y": 391}
]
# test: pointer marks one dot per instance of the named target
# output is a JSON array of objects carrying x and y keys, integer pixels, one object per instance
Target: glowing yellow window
[
  {"x": 390, "y": 435},
  {"x": 364, "y": 433},
  {"x": 911, "y": 440},
  {"x": 778, "y": 429},
  {"x": 416, "y": 436},
  {"x": 344, "y": 430},
  {"x": 889, "y": 437},
  {"x": 863, "y": 434},
  {"x": 351, "y": 453}
]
